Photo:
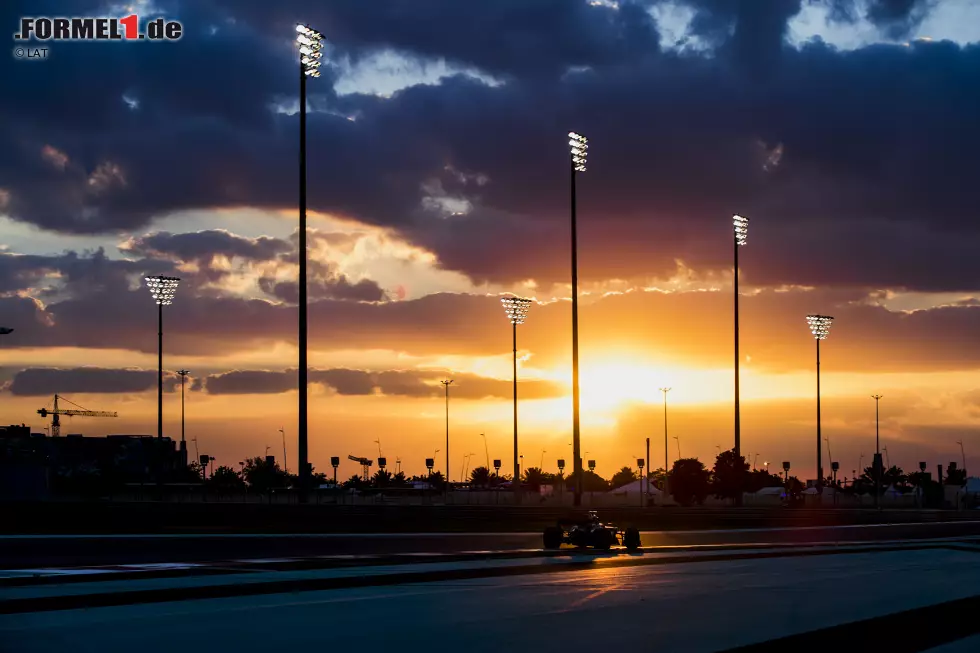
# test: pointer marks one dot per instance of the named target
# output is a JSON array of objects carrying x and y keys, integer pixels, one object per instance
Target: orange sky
[{"x": 673, "y": 332}]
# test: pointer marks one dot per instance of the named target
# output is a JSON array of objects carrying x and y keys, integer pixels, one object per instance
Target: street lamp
[
  {"x": 741, "y": 225},
  {"x": 447, "y": 383},
  {"x": 820, "y": 328},
  {"x": 579, "y": 148},
  {"x": 666, "y": 453},
  {"x": 285, "y": 465},
  {"x": 310, "y": 44},
  {"x": 183, "y": 443},
  {"x": 516, "y": 309}
]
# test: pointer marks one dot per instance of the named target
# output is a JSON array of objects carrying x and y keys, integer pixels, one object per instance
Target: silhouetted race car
[{"x": 590, "y": 533}]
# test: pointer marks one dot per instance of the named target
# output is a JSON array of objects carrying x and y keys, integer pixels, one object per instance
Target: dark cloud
[
  {"x": 502, "y": 37},
  {"x": 87, "y": 380},
  {"x": 205, "y": 245},
  {"x": 402, "y": 383},
  {"x": 104, "y": 307},
  {"x": 324, "y": 282},
  {"x": 897, "y": 18},
  {"x": 79, "y": 274},
  {"x": 678, "y": 142}
]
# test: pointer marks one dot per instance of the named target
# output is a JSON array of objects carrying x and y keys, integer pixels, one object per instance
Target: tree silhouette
[
  {"x": 533, "y": 478},
  {"x": 656, "y": 477},
  {"x": 760, "y": 478},
  {"x": 480, "y": 477},
  {"x": 263, "y": 476},
  {"x": 955, "y": 476},
  {"x": 891, "y": 476},
  {"x": 355, "y": 482},
  {"x": 729, "y": 475},
  {"x": 398, "y": 480},
  {"x": 381, "y": 479},
  {"x": 225, "y": 478},
  {"x": 591, "y": 482},
  {"x": 624, "y": 476},
  {"x": 436, "y": 480},
  {"x": 690, "y": 481}
]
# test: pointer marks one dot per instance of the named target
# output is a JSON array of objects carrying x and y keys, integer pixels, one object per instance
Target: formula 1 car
[{"x": 590, "y": 533}]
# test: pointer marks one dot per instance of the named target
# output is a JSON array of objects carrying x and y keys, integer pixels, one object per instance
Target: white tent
[
  {"x": 892, "y": 492},
  {"x": 637, "y": 487},
  {"x": 826, "y": 490},
  {"x": 770, "y": 492}
]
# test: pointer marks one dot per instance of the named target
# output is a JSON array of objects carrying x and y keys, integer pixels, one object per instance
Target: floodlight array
[
  {"x": 516, "y": 308},
  {"x": 579, "y": 146},
  {"x": 819, "y": 325},
  {"x": 741, "y": 229},
  {"x": 162, "y": 289},
  {"x": 310, "y": 44}
]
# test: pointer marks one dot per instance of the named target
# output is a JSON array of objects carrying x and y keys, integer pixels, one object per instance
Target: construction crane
[
  {"x": 56, "y": 414},
  {"x": 365, "y": 465}
]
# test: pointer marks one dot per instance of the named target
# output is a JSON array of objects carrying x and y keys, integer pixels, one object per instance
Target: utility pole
[
  {"x": 446, "y": 383},
  {"x": 963, "y": 454},
  {"x": 183, "y": 442},
  {"x": 666, "y": 452},
  {"x": 649, "y": 469},
  {"x": 877, "y": 463}
]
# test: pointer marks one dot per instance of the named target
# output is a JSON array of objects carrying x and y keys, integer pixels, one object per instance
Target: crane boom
[
  {"x": 44, "y": 412},
  {"x": 365, "y": 464},
  {"x": 56, "y": 412}
]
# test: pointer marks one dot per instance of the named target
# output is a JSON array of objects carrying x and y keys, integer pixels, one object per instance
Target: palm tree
[
  {"x": 355, "y": 482},
  {"x": 480, "y": 477},
  {"x": 625, "y": 476},
  {"x": 381, "y": 478},
  {"x": 533, "y": 477}
]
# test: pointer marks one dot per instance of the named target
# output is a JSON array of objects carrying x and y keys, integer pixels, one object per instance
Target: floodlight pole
[
  {"x": 738, "y": 415},
  {"x": 303, "y": 426},
  {"x": 159, "y": 377},
  {"x": 517, "y": 465},
  {"x": 576, "y": 432},
  {"x": 819, "y": 454},
  {"x": 740, "y": 234},
  {"x": 447, "y": 383},
  {"x": 877, "y": 465},
  {"x": 666, "y": 448}
]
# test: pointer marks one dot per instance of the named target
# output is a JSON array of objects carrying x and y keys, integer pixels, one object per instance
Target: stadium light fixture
[
  {"x": 741, "y": 232},
  {"x": 162, "y": 289},
  {"x": 820, "y": 328},
  {"x": 516, "y": 309},
  {"x": 310, "y": 45},
  {"x": 579, "y": 149}
]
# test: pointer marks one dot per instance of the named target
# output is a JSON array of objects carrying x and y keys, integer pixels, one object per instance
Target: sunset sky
[{"x": 846, "y": 130}]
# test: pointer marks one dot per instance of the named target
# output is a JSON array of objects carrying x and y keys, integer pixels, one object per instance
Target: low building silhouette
[{"x": 33, "y": 465}]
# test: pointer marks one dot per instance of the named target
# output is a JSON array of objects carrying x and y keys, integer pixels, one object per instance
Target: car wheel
[
  {"x": 552, "y": 537},
  {"x": 631, "y": 539},
  {"x": 604, "y": 540}
]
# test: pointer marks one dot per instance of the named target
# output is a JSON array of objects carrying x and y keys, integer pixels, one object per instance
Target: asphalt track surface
[
  {"x": 912, "y": 600},
  {"x": 36, "y": 551}
]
